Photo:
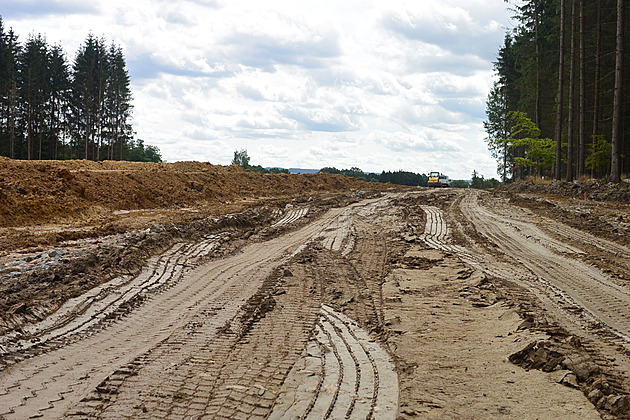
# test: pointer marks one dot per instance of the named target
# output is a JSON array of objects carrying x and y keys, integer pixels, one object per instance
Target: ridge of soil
[
  {"x": 35, "y": 192},
  {"x": 593, "y": 189},
  {"x": 68, "y": 226}
]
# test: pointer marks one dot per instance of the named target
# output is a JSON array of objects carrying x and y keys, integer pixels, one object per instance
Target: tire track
[
  {"x": 601, "y": 299},
  {"x": 508, "y": 270},
  {"x": 209, "y": 370},
  {"x": 356, "y": 376},
  {"x": 186, "y": 325},
  {"x": 27, "y": 386},
  {"x": 88, "y": 312},
  {"x": 580, "y": 292},
  {"x": 291, "y": 216}
]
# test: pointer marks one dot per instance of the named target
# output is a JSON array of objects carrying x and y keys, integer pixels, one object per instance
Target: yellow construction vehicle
[{"x": 437, "y": 179}]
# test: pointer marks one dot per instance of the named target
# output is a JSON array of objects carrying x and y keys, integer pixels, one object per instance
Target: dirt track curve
[
  {"x": 296, "y": 323},
  {"x": 193, "y": 336},
  {"x": 549, "y": 265}
]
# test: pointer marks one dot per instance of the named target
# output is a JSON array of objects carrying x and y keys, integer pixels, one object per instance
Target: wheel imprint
[
  {"x": 187, "y": 314},
  {"x": 567, "y": 283},
  {"x": 356, "y": 376},
  {"x": 290, "y": 217}
]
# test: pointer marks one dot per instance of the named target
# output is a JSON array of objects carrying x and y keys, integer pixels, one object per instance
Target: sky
[{"x": 380, "y": 85}]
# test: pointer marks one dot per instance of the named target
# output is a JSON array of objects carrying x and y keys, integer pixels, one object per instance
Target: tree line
[
  {"x": 411, "y": 179},
  {"x": 242, "y": 159},
  {"x": 397, "y": 177},
  {"x": 557, "y": 108},
  {"x": 51, "y": 109}
]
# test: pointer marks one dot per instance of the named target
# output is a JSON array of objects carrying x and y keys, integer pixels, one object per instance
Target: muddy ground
[{"x": 195, "y": 291}]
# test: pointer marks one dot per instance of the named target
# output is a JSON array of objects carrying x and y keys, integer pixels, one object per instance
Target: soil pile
[
  {"x": 34, "y": 192},
  {"x": 594, "y": 189}
]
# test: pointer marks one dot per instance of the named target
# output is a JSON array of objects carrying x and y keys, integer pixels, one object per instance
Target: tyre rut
[
  {"x": 185, "y": 323},
  {"x": 576, "y": 282}
]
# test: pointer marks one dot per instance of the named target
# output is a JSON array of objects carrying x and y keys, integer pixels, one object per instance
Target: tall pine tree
[
  {"x": 569, "y": 66},
  {"x": 9, "y": 52}
]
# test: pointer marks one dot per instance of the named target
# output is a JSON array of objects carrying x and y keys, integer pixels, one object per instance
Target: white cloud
[{"x": 385, "y": 85}]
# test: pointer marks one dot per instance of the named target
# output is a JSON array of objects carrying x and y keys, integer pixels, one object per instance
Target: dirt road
[{"x": 409, "y": 304}]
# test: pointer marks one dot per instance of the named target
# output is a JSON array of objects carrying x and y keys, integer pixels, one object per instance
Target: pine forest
[
  {"x": 50, "y": 109},
  {"x": 559, "y": 107}
]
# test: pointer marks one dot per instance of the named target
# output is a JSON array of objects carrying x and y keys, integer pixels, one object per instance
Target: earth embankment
[{"x": 34, "y": 192}]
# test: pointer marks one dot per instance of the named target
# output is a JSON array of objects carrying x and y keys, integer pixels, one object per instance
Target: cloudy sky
[{"x": 381, "y": 84}]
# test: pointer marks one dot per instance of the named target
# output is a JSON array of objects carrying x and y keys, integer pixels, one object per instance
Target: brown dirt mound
[
  {"x": 595, "y": 190},
  {"x": 35, "y": 192}
]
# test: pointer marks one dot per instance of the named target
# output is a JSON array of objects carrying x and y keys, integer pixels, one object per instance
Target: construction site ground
[{"x": 189, "y": 290}]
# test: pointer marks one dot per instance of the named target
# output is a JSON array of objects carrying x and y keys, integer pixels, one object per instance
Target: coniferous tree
[
  {"x": 87, "y": 96},
  {"x": 503, "y": 97},
  {"x": 571, "y": 111},
  {"x": 615, "y": 162},
  {"x": 44, "y": 102},
  {"x": 582, "y": 98},
  {"x": 9, "y": 51},
  {"x": 59, "y": 78},
  {"x": 596, "y": 81},
  {"x": 498, "y": 128},
  {"x": 560, "y": 101},
  {"x": 534, "y": 40},
  {"x": 33, "y": 91},
  {"x": 569, "y": 63},
  {"x": 117, "y": 104}
]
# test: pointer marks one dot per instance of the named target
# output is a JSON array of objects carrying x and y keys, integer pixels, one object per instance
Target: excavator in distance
[{"x": 437, "y": 179}]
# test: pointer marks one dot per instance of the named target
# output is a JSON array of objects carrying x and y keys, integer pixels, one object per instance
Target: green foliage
[
  {"x": 527, "y": 79},
  {"x": 138, "y": 152},
  {"x": 398, "y": 177},
  {"x": 504, "y": 96},
  {"x": 241, "y": 158},
  {"x": 353, "y": 172},
  {"x": 480, "y": 183},
  {"x": 498, "y": 127},
  {"x": 405, "y": 178},
  {"x": 459, "y": 183},
  {"x": 539, "y": 152},
  {"x": 259, "y": 169},
  {"x": 9, "y": 51},
  {"x": 599, "y": 158},
  {"x": 278, "y": 171},
  {"x": 52, "y": 110},
  {"x": 476, "y": 180},
  {"x": 523, "y": 126}
]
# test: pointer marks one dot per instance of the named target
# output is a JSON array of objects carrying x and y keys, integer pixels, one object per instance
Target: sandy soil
[{"x": 306, "y": 297}]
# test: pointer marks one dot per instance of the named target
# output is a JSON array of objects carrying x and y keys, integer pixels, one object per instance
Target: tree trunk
[
  {"x": 598, "y": 60},
  {"x": 582, "y": 110},
  {"x": 560, "y": 104},
  {"x": 29, "y": 135},
  {"x": 570, "y": 122},
  {"x": 40, "y": 143},
  {"x": 13, "y": 117},
  {"x": 537, "y": 45},
  {"x": 99, "y": 121},
  {"x": 87, "y": 133},
  {"x": 615, "y": 159}
]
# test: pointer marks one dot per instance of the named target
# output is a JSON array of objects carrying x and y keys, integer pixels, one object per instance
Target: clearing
[{"x": 195, "y": 291}]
